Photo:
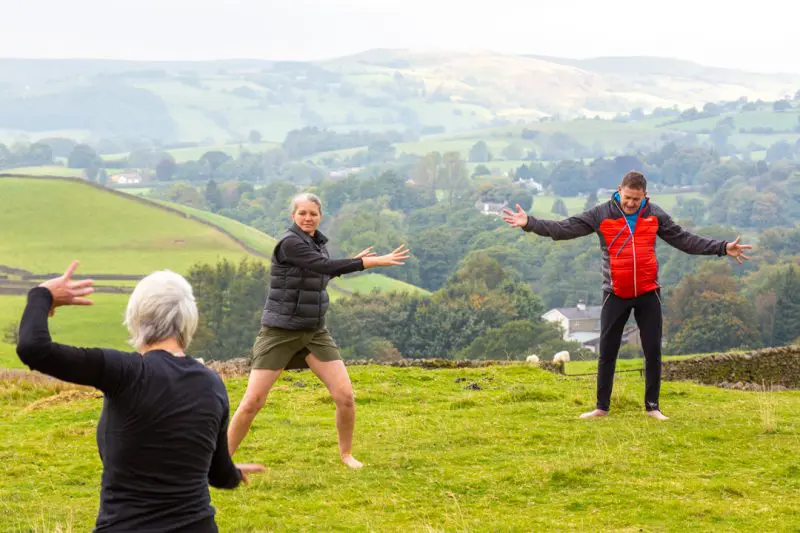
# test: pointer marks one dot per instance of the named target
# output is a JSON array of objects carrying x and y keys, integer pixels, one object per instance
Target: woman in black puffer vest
[{"x": 293, "y": 332}]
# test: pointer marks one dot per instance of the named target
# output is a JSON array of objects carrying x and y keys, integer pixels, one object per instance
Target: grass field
[
  {"x": 441, "y": 456},
  {"x": 46, "y": 170},
  {"x": 45, "y": 224},
  {"x": 369, "y": 281},
  {"x": 252, "y": 237}
]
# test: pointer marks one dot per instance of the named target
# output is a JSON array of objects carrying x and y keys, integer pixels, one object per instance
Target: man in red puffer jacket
[{"x": 627, "y": 226}]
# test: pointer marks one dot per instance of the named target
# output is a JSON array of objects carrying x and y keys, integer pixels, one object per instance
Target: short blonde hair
[
  {"x": 162, "y": 306},
  {"x": 305, "y": 197}
]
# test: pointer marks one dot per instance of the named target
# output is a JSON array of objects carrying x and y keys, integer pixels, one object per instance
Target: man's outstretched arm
[
  {"x": 558, "y": 230},
  {"x": 686, "y": 241}
]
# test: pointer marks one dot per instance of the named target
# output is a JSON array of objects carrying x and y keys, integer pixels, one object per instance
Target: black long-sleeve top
[{"x": 161, "y": 434}]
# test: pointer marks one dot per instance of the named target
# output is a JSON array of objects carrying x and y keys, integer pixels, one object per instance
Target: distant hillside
[{"x": 425, "y": 92}]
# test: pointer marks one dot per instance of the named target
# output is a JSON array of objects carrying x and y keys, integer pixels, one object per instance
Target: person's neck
[{"x": 169, "y": 345}]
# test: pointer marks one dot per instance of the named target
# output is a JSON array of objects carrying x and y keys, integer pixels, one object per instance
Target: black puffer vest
[{"x": 296, "y": 298}]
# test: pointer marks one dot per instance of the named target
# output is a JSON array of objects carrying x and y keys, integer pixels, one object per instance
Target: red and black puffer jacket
[{"x": 630, "y": 266}]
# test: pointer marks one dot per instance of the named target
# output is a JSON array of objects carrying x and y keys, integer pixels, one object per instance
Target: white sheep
[
  {"x": 561, "y": 357},
  {"x": 532, "y": 358}
]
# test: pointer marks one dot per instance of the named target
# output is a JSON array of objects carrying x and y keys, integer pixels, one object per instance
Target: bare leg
[
  {"x": 258, "y": 386},
  {"x": 334, "y": 375}
]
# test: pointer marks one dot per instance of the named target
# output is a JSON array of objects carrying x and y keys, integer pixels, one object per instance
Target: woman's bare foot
[
  {"x": 594, "y": 414},
  {"x": 351, "y": 461},
  {"x": 655, "y": 413}
]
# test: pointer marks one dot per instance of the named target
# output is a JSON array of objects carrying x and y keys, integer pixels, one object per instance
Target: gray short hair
[
  {"x": 161, "y": 307},
  {"x": 305, "y": 197}
]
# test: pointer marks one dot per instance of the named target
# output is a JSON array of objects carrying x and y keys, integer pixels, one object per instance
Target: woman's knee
[
  {"x": 343, "y": 397},
  {"x": 253, "y": 402}
]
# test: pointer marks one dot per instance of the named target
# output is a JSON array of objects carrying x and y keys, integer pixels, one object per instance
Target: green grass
[
  {"x": 370, "y": 281},
  {"x": 45, "y": 224},
  {"x": 252, "y": 237},
  {"x": 46, "y": 170},
  {"x": 510, "y": 457}
]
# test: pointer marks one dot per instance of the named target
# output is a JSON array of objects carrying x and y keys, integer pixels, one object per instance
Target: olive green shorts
[{"x": 278, "y": 348}]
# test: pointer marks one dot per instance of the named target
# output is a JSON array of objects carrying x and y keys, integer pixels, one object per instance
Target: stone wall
[
  {"x": 770, "y": 367},
  {"x": 241, "y": 366}
]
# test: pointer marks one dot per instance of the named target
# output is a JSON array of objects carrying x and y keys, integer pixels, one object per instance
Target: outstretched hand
[
  {"x": 396, "y": 257},
  {"x": 736, "y": 250},
  {"x": 366, "y": 252},
  {"x": 68, "y": 292},
  {"x": 249, "y": 468},
  {"x": 516, "y": 220}
]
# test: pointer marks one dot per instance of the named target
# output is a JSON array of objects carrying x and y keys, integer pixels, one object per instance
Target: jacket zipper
[{"x": 633, "y": 244}]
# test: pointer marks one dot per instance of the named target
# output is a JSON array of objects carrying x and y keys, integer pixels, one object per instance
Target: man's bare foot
[
  {"x": 351, "y": 461},
  {"x": 594, "y": 414},
  {"x": 655, "y": 413}
]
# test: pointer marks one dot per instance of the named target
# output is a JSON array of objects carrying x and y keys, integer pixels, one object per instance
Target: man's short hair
[{"x": 634, "y": 180}]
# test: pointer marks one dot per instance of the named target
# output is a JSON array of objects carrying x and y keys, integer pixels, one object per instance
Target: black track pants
[{"x": 647, "y": 312}]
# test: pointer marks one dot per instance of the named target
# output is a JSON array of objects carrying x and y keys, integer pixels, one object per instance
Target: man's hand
[
  {"x": 516, "y": 220},
  {"x": 68, "y": 292},
  {"x": 736, "y": 250}
]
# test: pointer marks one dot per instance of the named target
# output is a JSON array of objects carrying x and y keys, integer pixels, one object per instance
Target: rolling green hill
[
  {"x": 46, "y": 223},
  {"x": 219, "y": 102}
]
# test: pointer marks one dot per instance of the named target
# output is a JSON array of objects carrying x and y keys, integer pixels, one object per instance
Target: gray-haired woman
[
  {"x": 293, "y": 333},
  {"x": 162, "y": 431}
]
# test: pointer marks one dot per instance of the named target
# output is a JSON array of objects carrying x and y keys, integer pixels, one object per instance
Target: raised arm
[
  {"x": 299, "y": 253},
  {"x": 103, "y": 369},
  {"x": 558, "y": 230},
  {"x": 686, "y": 241}
]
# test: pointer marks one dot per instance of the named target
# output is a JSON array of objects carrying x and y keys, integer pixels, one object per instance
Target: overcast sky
[{"x": 759, "y": 36}]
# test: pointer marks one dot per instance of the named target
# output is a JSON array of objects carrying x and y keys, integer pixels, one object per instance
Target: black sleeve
[
  {"x": 569, "y": 228},
  {"x": 107, "y": 370},
  {"x": 223, "y": 474},
  {"x": 685, "y": 241},
  {"x": 299, "y": 253}
]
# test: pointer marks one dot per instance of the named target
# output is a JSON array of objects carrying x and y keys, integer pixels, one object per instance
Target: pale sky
[{"x": 759, "y": 36}]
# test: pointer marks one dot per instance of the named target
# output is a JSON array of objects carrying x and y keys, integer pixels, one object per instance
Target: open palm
[
  {"x": 736, "y": 250},
  {"x": 516, "y": 220}
]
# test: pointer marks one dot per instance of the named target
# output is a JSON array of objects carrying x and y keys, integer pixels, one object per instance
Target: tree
[
  {"x": 454, "y": 177},
  {"x": 479, "y": 153},
  {"x": 254, "y": 136},
  {"x": 39, "y": 154},
  {"x": 591, "y": 201},
  {"x": 83, "y": 156},
  {"x": 780, "y": 106},
  {"x": 481, "y": 170},
  {"x": 513, "y": 152},
  {"x": 165, "y": 168},
  {"x": 215, "y": 158},
  {"x": 706, "y": 313},
  {"x": 560, "y": 208},
  {"x": 213, "y": 196},
  {"x": 230, "y": 299}
]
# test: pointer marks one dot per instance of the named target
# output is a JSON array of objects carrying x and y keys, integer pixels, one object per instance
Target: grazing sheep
[
  {"x": 561, "y": 357},
  {"x": 532, "y": 358}
]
